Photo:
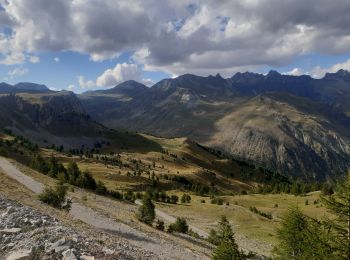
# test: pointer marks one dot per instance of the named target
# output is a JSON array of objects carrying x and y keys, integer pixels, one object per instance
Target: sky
[{"x": 82, "y": 45}]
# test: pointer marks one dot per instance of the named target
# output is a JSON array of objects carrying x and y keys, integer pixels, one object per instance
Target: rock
[
  {"x": 108, "y": 251},
  {"x": 10, "y": 230},
  {"x": 9, "y": 210},
  {"x": 69, "y": 255},
  {"x": 59, "y": 246},
  {"x": 87, "y": 257},
  {"x": 19, "y": 255}
]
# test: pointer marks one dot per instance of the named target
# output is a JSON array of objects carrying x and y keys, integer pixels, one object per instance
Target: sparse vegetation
[
  {"x": 146, "y": 212},
  {"x": 56, "y": 197},
  {"x": 160, "y": 225},
  {"x": 179, "y": 226},
  {"x": 217, "y": 201},
  {"x": 185, "y": 198},
  {"x": 263, "y": 214}
]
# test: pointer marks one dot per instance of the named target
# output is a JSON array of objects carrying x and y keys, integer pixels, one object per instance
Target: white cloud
[
  {"x": 71, "y": 87},
  {"x": 17, "y": 72},
  {"x": 120, "y": 73},
  {"x": 13, "y": 58},
  {"x": 295, "y": 72},
  {"x": 319, "y": 72},
  {"x": 56, "y": 59},
  {"x": 86, "y": 83},
  {"x": 211, "y": 36},
  {"x": 34, "y": 59}
]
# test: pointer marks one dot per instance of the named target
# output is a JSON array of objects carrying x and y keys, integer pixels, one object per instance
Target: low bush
[
  {"x": 263, "y": 214},
  {"x": 179, "y": 226},
  {"x": 160, "y": 225},
  {"x": 56, "y": 197}
]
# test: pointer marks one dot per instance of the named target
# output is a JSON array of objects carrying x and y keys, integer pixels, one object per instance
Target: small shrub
[
  {"x": 180, "y": 226},
  {"x": 146, "y": 211},
  {"x": 306, "y": 202},
  {"x": 202, "y": 201},
  {"x": 56, "y": 197},
  {"x": 160, "y": 225},
  {"x": 276, "y": 205},
  {"x": 185, "y": 198},
  {"x": 3, "y": 152},
  {"x": 193, "y": 234},
  {"x": 218, "y": 201}
]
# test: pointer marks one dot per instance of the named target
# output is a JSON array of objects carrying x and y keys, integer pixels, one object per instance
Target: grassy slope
[{"x": 253, "y": 232}]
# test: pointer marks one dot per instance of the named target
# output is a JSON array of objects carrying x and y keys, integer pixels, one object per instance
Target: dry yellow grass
[{"x": 253, "y": 231}]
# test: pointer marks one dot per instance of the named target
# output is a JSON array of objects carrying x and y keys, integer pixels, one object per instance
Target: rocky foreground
[{"x": 28, "y": 234}]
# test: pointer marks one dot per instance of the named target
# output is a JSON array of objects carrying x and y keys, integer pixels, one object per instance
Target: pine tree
[
  {"x": 339, "y": 205},
  {"x": 292, "y": 235},
  {"x": 302, "y": 237},
  {"x": 227, "y": 248},
  {"x": 146, "y": 211}
]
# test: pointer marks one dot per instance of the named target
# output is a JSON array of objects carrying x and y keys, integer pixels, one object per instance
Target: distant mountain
[
  {"x": 128, "y": 88},
  {"x": 292, "y": 124},
  {"x": 59, "y": 118},
  {"x": 23, "y": 87}
]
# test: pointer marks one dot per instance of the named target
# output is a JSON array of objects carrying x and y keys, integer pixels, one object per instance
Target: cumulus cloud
[
  {"x": 85, "y": 83},
  {"x": 198, "y": 36},
  {"x": 121, "y": 72},
  {"x": 56, "y": 59},
  {"x": 13, "y": 58},
  {"x": 17, "y": 72}
]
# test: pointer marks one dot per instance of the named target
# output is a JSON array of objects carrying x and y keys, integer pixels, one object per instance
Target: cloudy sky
[{"x": 91, "y": 44}]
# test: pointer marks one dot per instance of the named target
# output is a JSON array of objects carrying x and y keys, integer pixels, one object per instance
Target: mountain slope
[
  {"x": 276, "y": 133},
  {"x": 58, "y": 118},
  {"x": 23, "y": 87},
  {"x": 299, "y": 123}
]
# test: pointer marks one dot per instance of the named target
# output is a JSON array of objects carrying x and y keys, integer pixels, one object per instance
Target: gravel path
[{"x": 162, "y": 248}]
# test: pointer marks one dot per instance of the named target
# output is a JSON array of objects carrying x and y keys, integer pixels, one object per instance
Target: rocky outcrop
[{"x": 28, "y": 234}]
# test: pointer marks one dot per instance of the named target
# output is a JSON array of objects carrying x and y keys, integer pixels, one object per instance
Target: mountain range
[{"x": 294, "y": 125}]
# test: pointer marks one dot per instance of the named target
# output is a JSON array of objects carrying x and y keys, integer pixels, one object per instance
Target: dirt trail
[{"x": 164, "y": 249}]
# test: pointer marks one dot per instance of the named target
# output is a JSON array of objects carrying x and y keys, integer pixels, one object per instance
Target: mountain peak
[
  {"x": 340, "y": 74},
  {"x": 273, "y": 73},
  {"x": 218, "y": 76}
]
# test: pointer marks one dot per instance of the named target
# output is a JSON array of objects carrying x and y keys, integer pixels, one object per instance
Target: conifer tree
[
  {"x": 339, "y": 205},
  {"x": 146, "y": 211},
  {"x": 227, "y": 248}
]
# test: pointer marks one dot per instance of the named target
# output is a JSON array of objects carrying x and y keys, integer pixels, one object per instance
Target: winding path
[{"x": 162, "y": 248}]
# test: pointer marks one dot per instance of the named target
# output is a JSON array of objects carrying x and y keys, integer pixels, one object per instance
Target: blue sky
[
  {"x": 94, "y": 44},
  {"x": 58, "y": 70}
]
